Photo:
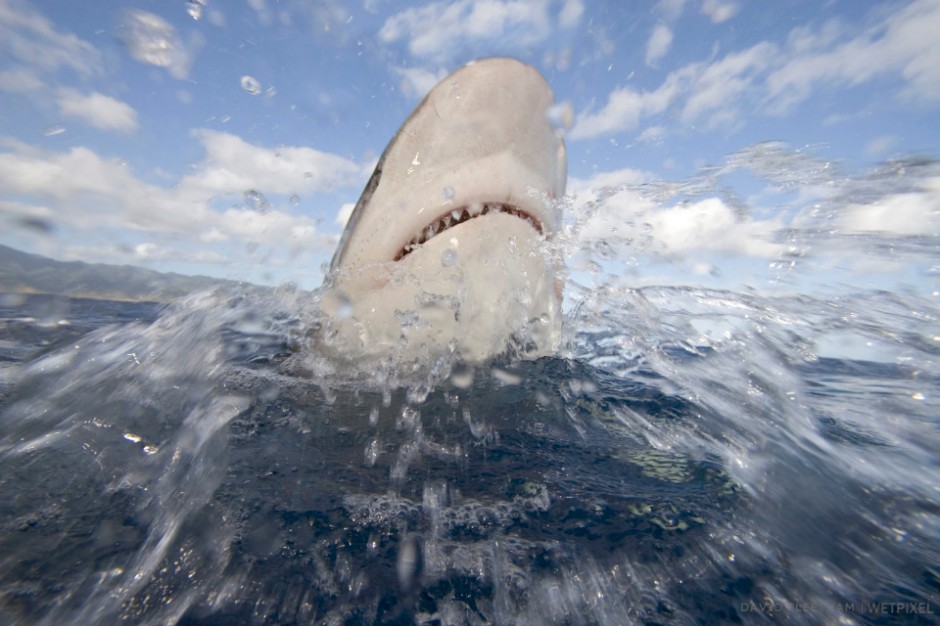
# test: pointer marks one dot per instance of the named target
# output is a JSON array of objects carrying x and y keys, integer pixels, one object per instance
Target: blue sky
[{"x": 232, "y": 145}]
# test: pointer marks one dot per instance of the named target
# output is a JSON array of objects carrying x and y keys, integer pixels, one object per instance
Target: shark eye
[{"x": 459, "y": 216}]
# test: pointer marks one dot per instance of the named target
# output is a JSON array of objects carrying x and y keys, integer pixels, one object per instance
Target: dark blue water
[{"x": 191, "y": 464}]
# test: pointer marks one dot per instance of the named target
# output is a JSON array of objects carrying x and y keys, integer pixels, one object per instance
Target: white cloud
[
  {"x": 915, "y": 213},
  {"x": 905, "y": 45},
  {"x": 440, "y": 29},
  {"x": 812, "y": 39},
  {"x": 344, "y": 213},
  {"x": 31, "y": 39},
  {"x": 571, "y": 13},
  {"x": 626, "y": 107},
  {"x": 88, "y": 197},
  {"x": 879, "y": 146},
  {"x": 15, "y": 215},
  {"x": 150, "y": 251},
  {"x": 639, "y": 226},
  {"x": 658, "y": 45},
  {"x": 207, "y": 256},
  {"x": 670, "y": 9},
  {"x": 80, "y": 184},
  {"x": 216, "y": 18},
  {"x": 261, "y": 9},
  {"x": 20, "y": 80},
  {"x": 272, "y": 228},
  {"x": 712, "y": 225},
  {"x": 587, "y": 188},
  {"x": 721, "y": 85},
  {"x": 653, "y": 134},
  {"x": 718, "y": 11},
  {"x": 715, "y": 89},
  {"x": 98, "y": 110},
  {"x": 416, "y": 82},
  {"x": 62, "y": 175},
  {"x": 232, "y": 165},
  {"x": 213, "y": 235},
  {"x": 771, "y": 79},
  {"x": 146, "y": 253}
]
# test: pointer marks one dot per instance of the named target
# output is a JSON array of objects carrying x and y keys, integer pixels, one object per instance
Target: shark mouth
[{"x": 461, "y": 215}]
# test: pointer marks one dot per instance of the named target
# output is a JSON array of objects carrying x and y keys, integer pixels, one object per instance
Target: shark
[{"x": 448, "y": 250}]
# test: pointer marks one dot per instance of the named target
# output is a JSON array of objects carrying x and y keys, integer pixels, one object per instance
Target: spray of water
[{"x": 695, "y": 454}]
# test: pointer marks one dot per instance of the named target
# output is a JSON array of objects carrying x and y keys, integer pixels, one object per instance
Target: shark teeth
[{"x": 459, "y": 216}]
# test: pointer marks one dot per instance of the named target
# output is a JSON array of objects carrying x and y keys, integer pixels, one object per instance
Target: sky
[{"x": 231, "y": 139}]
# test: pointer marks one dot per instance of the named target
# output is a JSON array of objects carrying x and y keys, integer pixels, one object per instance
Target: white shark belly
[{"x": 447, "y": 251}]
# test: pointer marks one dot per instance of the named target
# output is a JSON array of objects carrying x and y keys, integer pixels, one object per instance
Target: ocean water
[{"x": 691, "y": 456}]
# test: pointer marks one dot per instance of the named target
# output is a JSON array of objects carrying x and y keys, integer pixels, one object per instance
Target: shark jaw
[
  {"x": 447, "y": 250},
  {"x": 459, "y": 216}
]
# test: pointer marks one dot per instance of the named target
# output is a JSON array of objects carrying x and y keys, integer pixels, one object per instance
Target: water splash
[{"x": 776, "y": 447}]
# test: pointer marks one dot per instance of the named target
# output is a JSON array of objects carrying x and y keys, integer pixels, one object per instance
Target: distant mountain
[{"x": 30, "y": 273}]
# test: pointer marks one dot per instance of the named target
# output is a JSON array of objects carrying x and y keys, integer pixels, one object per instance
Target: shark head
[{"x": 447, "y": 246}]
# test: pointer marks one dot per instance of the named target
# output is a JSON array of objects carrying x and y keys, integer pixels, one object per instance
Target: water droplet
[
  {"x": 408, "y": 565},
  {"x": 337, "y": 304},
  {"x": 151, "y": 39},
  {"x": 561, "y": 116},
  {"x": 12, "y": 299},
  {"x": 461, "y": 376},
  {"x": 605, "y": 250},
  {"x": 35, "y": 223},
  {"x": 409, "y": 320},
  {"x": 371, "y": 453},
  {"x": 506, "y": 377},
  {"x": 251, "y": 85},
  {"x": 270, "y": 92},
  {"x": 294, "y": 199},
  {"x": 448, "y": 195},
  {"x": 345, "y": 308},
  {"x": 409, "y": 418},
  {"x": 256, "y": 201},
  {"x": 55, "y": 129},
  {"x": 449, "y": 257},
  {"x": 414, "y": 162},
  {"x": 132, "y": 437},
  {"x": 194, "y": 8}
]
